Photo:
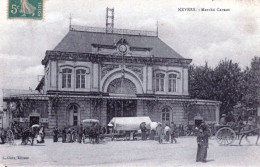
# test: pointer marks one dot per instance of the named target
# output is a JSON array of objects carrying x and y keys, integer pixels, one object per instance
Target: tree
[
  {"x": 251, "y": 84},
  {"x": 227, "y": 85},
  {"x": 200, "y": 82},
  {"x": 221, "y": 83}
]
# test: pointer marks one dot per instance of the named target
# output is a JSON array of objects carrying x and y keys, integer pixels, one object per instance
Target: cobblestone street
[{"x": 129, "y": 153}]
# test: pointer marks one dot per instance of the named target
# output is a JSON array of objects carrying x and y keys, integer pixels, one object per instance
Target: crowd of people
[
  {"x": 79, "y": 133},
  {"x": 157, "y": 131}
]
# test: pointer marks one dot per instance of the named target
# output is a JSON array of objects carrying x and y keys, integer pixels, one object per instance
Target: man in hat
[
  {"x": 223, "y": 120},
  {"x": 159, "y": 131},
  {"x": 143, "y": 130},
  {"x": 203, "y": 142},
  {"x": 55, "y": 134},
  {"x": 80, "y": 133},
  {"x": 173, "y": 132}
]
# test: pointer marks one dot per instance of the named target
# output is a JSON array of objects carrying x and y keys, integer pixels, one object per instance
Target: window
[
  {"x": 74, "y": 111},
  {"x": 80, "y": 78},
  {"x": 159, "y": 82},
  {"x": 66, "y": 78},
  {"x": 172, "y": 83},
  {"x": 166, "y": 115}
]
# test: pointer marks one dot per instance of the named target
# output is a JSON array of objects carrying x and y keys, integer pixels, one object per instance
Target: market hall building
[{"x": 93, "y": 73}]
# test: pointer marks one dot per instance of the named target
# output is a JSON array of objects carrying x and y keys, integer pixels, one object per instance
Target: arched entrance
[
  {"x": 74, "y": 115},
  {"x": 121, "y": 107}
]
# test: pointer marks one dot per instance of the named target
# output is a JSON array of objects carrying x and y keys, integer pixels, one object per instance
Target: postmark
[{"x": 28, "y": 9}]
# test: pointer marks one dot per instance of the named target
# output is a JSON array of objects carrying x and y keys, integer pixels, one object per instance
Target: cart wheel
[
  {"x": 225, "y": 136},
  {"x": 10, "y": 137}
]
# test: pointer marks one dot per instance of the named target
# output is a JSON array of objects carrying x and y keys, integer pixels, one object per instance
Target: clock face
[{"x": 122, "y": 48}]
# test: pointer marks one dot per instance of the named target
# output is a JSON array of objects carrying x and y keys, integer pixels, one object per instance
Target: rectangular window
[
  {"x": 77, "y": 81},
  {"x": 157, "y": 84},
  {"x": 75, "y": 120},
  {"x": 172, "y": 83},
  {"x": 83, "y": 81},
  {"x": 80, "y": 78},
  {"x": 66, "y": 78},
  {"x": 69, "y": 81},
  {"x": 162, "y": 85},
  {"x": 63, "y": 80}
]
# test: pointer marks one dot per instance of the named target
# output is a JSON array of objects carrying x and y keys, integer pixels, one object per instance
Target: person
[
  {"x": 69, "y": 136},
  {"x": 222, "y": 120},
  {"x": 153, "y": 126},
  {"x": 55, "y": 134},
  {"x": 80, "y": 133},
  {"x": 159, "y": 131},
  {"x": 34, "y": 134},
  {"x": 143, "y": 130},
  {"x": 167, "y": 132},
  {"x": 202, "y": 140},
  {"x": 27, "y": 8},
  {"x": 2, "y": 135},
  {"x": 41, "y": 134},
  {"x": 173, "y": 132},
  {"x": 64, "y": 135},
  {"x": 250, "y": 123}
]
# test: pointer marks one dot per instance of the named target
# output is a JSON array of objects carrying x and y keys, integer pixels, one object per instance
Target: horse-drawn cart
[
  {"x": 226, "y": 134},
  {"x": 7, "y": 136}
]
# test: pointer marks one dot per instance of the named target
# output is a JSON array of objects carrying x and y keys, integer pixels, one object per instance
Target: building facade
[{"x": 124, "y": 73}]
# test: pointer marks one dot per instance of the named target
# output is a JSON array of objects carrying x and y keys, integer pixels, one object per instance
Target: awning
[{"x": 129, "y": 123}]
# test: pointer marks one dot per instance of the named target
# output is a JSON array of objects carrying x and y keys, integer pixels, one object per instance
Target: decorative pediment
[{"x": 106, "y": 68}]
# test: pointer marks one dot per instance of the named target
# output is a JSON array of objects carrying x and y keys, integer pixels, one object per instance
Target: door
[{"x": 34, "y": 120}]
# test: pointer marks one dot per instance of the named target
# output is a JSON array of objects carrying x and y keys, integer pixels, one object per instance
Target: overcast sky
[{"x": 201, "y": 36}]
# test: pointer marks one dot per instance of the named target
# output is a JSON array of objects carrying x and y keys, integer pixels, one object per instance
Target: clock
[{"x": 122, "y": 48}]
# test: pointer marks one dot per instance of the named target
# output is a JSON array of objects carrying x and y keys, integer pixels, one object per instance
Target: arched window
[
  {"x": 172, "y": 87},
  {"x": 166, "y": 115},
  {"x": 80, "y": 78},
  {"x": 66, "y": 78},
  {"x": 159, "y": 82},
  {"x": 74, "y": 114}
]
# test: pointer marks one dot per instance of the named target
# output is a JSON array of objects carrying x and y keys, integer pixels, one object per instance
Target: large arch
[{"x": 118, "y": 74}]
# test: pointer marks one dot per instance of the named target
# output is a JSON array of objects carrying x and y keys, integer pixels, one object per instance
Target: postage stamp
[{"x": 29, "y": 9}]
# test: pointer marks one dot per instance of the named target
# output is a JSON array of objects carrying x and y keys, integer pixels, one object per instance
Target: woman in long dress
[
  {"x": 203, "y": 141},
  {"x": 69, "y": 137},
  {"x": 27, "y": 8},
  {"x": 160, "y": 132},
  {"x": 55, "y": 135},
  {"x": 64, "y": 134}
]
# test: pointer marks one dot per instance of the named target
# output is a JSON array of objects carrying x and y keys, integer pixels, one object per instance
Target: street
[{"x": 129, "y": 153}]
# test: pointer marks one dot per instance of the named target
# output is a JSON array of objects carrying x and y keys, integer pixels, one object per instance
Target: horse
[
  {"x": 28, "y": 135},
  {"x": 248, "y": 130}
]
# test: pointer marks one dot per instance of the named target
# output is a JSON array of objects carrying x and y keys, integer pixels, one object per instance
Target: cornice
[{"x": 101, "y": 58}]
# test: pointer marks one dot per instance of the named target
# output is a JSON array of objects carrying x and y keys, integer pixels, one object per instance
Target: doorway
[{"x": 121, "y": 108}]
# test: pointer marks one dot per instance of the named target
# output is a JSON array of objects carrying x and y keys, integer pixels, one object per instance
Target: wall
[{"x": 95, "y": 79}]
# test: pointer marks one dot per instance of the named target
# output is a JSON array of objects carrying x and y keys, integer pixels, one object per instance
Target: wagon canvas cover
[{"x": 129, "y": 123}]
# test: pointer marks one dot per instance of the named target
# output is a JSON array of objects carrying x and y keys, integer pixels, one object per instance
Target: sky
[{"x": 201, "y": 36}]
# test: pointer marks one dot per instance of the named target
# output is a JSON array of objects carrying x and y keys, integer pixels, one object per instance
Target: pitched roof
[{"x": 81, "y": 41}]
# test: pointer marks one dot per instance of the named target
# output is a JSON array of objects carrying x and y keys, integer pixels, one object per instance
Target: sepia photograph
[{"x": 129, "y": 83}]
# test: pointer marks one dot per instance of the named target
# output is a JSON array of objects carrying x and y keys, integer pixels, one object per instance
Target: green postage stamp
[{"x": 28, "y": 9}]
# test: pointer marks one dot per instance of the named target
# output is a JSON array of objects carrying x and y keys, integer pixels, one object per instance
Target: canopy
[
  {"x": 89, "y": 120},
  {"x": 35, "y": 125},
  {"x": 129, "y": 123}
]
